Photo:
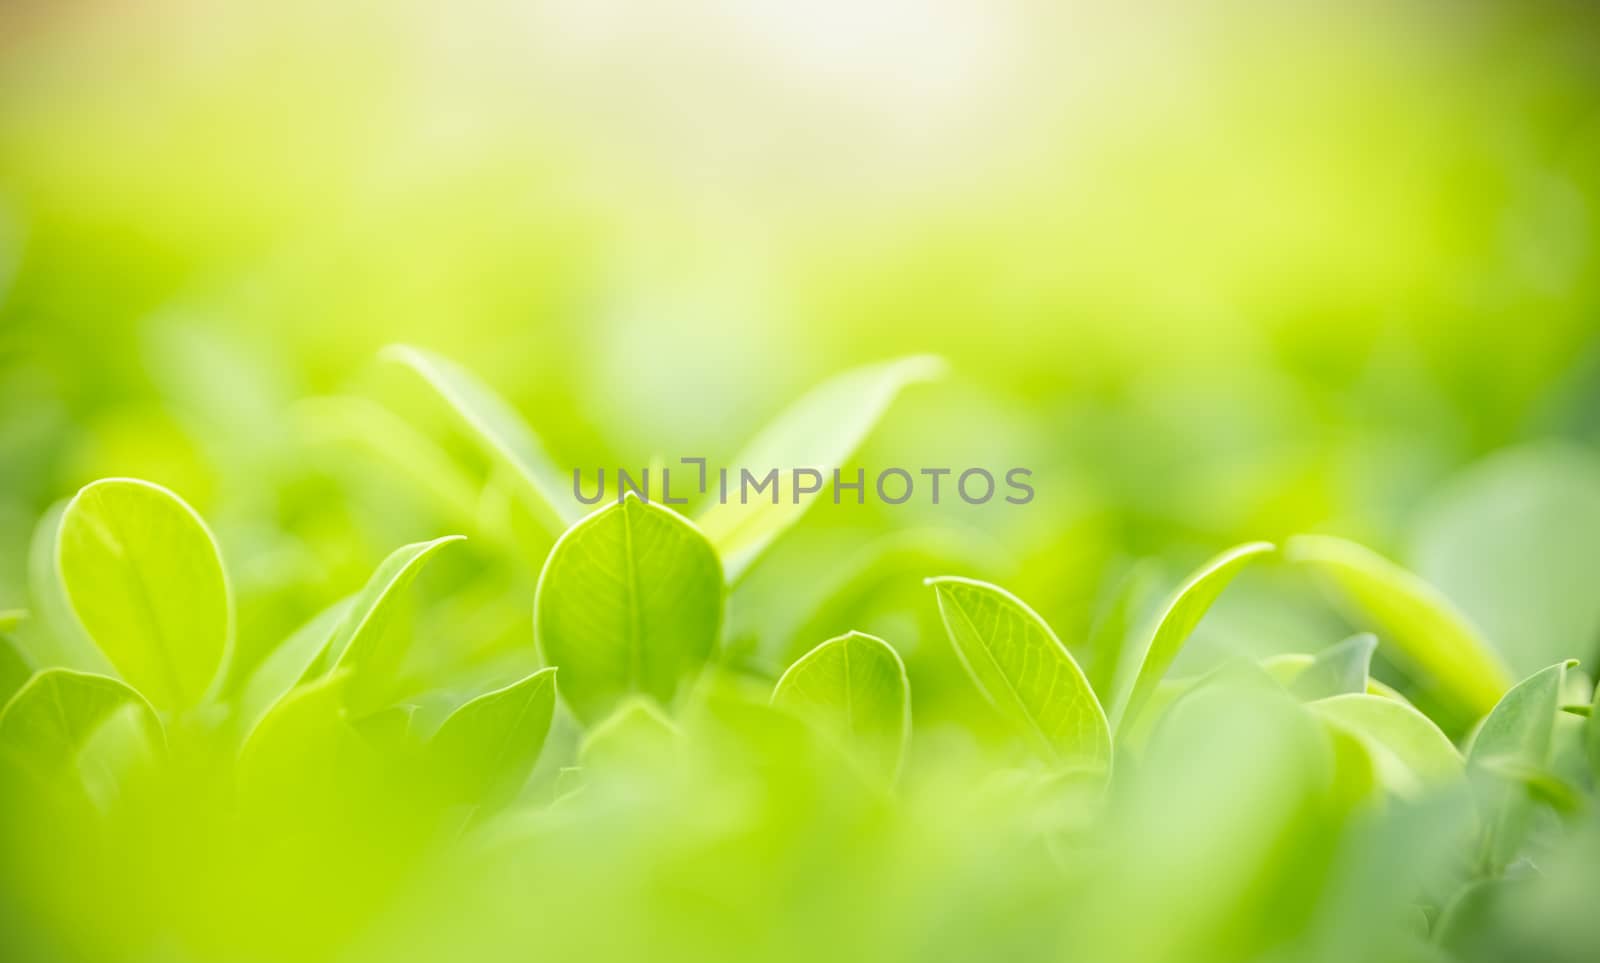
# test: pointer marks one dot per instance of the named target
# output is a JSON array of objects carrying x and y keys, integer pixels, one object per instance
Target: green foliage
[
  {"x": 629, "y": 602},
  {"x": 855, "y": 688},
  {"x": 1257, "y": 806},
  {"x": 1024, "y": 670},
  {"x": 1178, "y": 619},
  {"x": 145, "y": 578},
  {"x": 367, "y": 641}
]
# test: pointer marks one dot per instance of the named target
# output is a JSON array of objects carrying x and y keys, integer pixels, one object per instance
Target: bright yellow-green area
[{"x": 1211, "y": 274}]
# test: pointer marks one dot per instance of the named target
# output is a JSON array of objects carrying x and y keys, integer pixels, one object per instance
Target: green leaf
[
  {"x": 54, "y": 715},
  {"x": 630, "y": 601},
  {"x": 1020, "y": 665},
  {"x": 486, "y": 748},
  {"x": 854, "y": 687},
  {"x": 1515, "y": 541},
  {"x": 1522, "y": 724},
  {"x": 1412, "y": 617},
  {"x": 497, "y": 427},
  {"x": 289, "y": 664},
  {"x": 368, "y": 642},
  {"x": 1519, "y": 734},
  {"x": 1339, "y": 669},
  {"x": 820, "y": 431},
  {"x": 145, "y": 577},
  {"x": 11, "y": 618},
  {"x": 1408, "y": 751},
  {"x": 1178, "y": 619}
]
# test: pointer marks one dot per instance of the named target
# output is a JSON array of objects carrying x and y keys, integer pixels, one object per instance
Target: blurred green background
[{"x": 1214, "y": 272}]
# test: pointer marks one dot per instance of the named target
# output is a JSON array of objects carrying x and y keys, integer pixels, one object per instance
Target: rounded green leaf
[
  {"x": 630, "y": 601},
  {"x": 1412, "y": 617},
  {"x": 1020, "y": 665},
  {"x": 1183, "y": 611},
  {"x": 855, "y": 688},
  {"x": 57, "y": 711},
  {"x": 486, "y": 748},
  {"x": 145, "y": 577},
  {"x": 1408, "y": 751}
]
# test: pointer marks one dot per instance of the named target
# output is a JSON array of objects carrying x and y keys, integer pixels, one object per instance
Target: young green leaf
[
  {"x": 1523, "y": 721},
  {"x": 1178, "y": 619},
  {"x": 145, "y": 577},
  {"x": 1338, "y": 669},
  {"x": 497, "y": 427},
  {"x": 55, "y": 713},
  {"x": 367, "y": 641},
  {"x": 1408, "y": 751},
  {"x": 1518, "y": 734},
  {"x": 630, "y": 601},
  {"x": 854, "y": 687},
  {"x": 1020, "y": 665},
  {"x": 819, "y": 432},
  {"x": 288, "y": 664},
  {"x": 1413, "y": 618},
  {"x": 486, "y": 748}
]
